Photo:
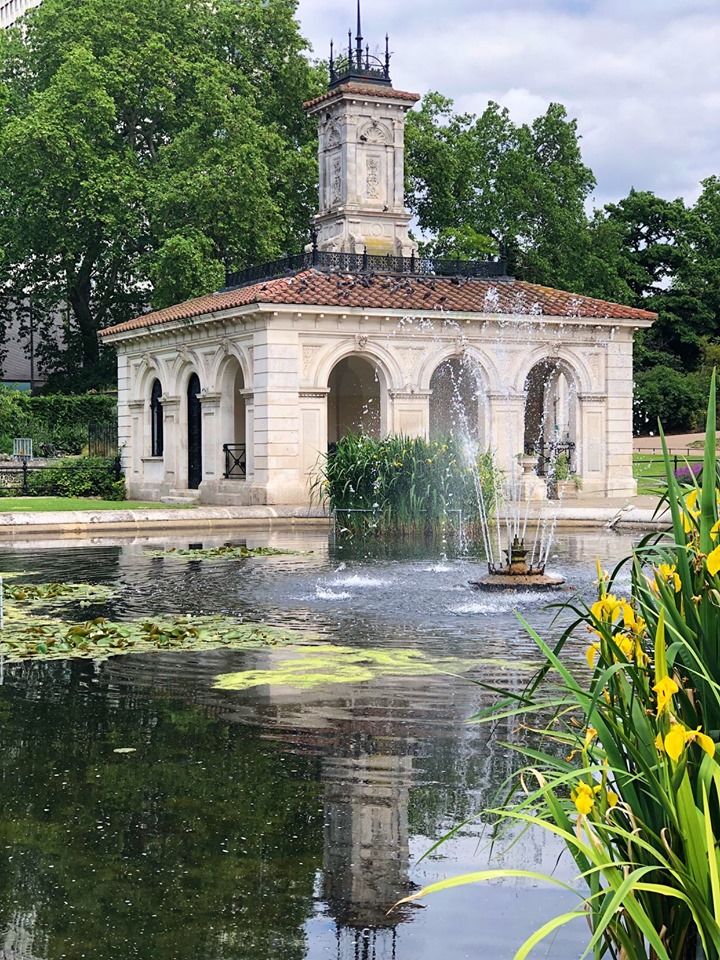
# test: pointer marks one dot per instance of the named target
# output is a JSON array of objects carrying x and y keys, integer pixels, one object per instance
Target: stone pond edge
[{"x": 81, "y": 522}]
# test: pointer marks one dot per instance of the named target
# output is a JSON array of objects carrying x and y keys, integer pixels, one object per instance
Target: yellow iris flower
[
  {"x": 591, "y": 654},
  {"x": 583, "y": 796},
  {"x": 669, "y": 575},
  {"x": 590, "y": 735},
  {"x": 665, "y": 690},
  {"x": 610, "y": 608},
  {"x": 680, "y": 736},
  {"x": 713, "y": 561}
]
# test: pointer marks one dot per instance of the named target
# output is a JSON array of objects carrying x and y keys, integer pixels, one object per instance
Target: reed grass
[
  {"x": 625, "y": 772},
  {"x": 404, "y": 485}
]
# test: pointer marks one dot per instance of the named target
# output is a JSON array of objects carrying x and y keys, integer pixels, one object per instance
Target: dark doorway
[{"x": 194, "y": 419}]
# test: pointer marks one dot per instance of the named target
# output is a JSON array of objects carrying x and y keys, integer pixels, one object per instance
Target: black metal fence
[
  {"x": 365, "y": 263},
  {"x": 235, "y": 461},
  {"x": 548, "y": 455},
  {"x": 102, "y": 439}
]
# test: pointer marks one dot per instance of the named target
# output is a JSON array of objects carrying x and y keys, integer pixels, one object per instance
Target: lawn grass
[
  {"x": 649, "y": 470},
  {"x": 61, "y": 504}
]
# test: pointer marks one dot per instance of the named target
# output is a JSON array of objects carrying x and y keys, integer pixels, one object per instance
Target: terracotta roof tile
[
  {"x": 368, "y": 90},
  {"x": 379, "y": 292}
]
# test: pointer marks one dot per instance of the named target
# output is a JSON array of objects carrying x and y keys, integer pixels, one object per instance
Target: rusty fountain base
[{"x": 518, "y": 574}]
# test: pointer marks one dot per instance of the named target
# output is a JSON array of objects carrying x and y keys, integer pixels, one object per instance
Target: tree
[
  {"x": 145, "y": 147},
  {"x": 522, "y": 186}
]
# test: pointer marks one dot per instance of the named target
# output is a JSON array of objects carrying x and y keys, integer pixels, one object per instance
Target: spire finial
[{"x": 359, "y": 38}]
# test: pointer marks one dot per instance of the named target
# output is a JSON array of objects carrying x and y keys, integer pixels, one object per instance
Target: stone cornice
[
  {"x": 314, "y": 393},
  {"x": 411, "y": 394}
]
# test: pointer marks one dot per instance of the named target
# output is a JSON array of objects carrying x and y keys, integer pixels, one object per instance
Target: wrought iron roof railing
[{"x": 364, "y": 263}]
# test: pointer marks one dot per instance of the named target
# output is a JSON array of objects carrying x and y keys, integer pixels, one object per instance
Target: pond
[{"x": 271, "y": 822}]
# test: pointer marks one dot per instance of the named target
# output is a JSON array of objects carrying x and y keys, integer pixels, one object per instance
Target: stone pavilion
[{"x": 232, "y": 398}]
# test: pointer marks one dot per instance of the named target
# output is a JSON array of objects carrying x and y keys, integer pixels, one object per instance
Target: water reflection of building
[{"x": 366, "y": 849}]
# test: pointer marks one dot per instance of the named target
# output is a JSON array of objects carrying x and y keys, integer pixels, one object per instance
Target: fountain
[{"x": 517, "y": 573}]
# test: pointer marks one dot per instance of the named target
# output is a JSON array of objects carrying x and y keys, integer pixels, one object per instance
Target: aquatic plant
[
  {"x": 100, "y": 638},
  {"x": 626, "y": 772},
  {"x": 31, "y": 593},
  {"x": 227, "y": 552},
  {"x": 404, "y": 484},
  {"x": 317, "y": 666}
]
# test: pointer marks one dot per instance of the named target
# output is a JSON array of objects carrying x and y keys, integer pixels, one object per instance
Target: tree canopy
[
  {"x": 145, "y": 148},
  {"x": 484, "y": 184}
]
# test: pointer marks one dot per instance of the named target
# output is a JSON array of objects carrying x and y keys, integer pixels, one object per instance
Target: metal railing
[
  {"x": 235, "y": 461},
  {"x": 15, "y": 476},
  {"x": 365, "y": 263},
  {"x": 548, "y": 453}
]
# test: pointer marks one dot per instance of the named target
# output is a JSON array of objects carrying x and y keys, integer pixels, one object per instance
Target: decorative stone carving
[
  {"x": 309, "y": 354},
  {"x": 333, "y": 136},
  {"x": 361, "y": 341},
  {"x": 373, "y": 178},
  {"x": 375, "y": 132},
  {"x": 336, "y": 182}
]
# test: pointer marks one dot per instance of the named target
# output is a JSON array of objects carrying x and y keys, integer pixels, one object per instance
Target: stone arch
[
  {"x": 484, "y": 364},
  {"x": 573, "y": 364},
  {"x": 231, "y": 385},
  {"x": 551, "y": 420},
  {"x": 186, "y": 363},
  {"x": 458, "y": 401},
  {"x": 386, "y": 364},
  {"x": 152, "y": 368},
  {"x": 226, "y": 353},
  {"x": 357, "y": 398}
]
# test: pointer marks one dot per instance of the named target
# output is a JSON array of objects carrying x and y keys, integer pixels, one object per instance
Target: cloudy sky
[{"x": 642, "y": 77}]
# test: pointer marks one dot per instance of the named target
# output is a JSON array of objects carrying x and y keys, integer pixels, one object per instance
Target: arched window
[{"x": 156, "y": 419}]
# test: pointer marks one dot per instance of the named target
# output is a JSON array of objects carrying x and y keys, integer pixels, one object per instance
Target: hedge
[
  {"x": 59, "y": 420},
  {"x": 84, "y": 477}
]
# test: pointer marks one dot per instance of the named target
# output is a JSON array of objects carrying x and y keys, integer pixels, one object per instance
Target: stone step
[{"x": 179, "y": 499}]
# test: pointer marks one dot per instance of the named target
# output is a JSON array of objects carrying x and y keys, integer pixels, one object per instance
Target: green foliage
[
  {"x": 524, "y": 187},
  {"x": 474, "y": 181},
  {"x": 675, "y": 398},
  {"x": 406, "y": 484},
  {"x": 628, "y": 774},
  {"x": 55, "y": 419},
  {"x": 145, "y": 147},
  {"x": 84, "y": 477}
]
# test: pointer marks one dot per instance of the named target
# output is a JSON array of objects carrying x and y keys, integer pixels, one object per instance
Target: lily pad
[
  {"x": 223, "y": 553},
  {"x": 97, "y": 639}
]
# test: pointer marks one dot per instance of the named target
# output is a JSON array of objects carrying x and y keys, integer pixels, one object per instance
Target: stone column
[
  {"x": 314, "y": 432},
  {"x": 592, "y": 444},
  {"x": 277, "y": 415},
  {"x": 175, "y": 446},
  {"x": 249, "y": 433},
  {"x": 507, "y": 432},
  {"x": 213, "y": 459},
  {"x": 136, "y": 450},
  {"x": 411, "y": 413},
  {"x": 619, "y": 443}
]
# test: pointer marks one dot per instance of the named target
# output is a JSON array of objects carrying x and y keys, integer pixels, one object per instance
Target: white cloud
[{"x": 642, "y": 77}]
